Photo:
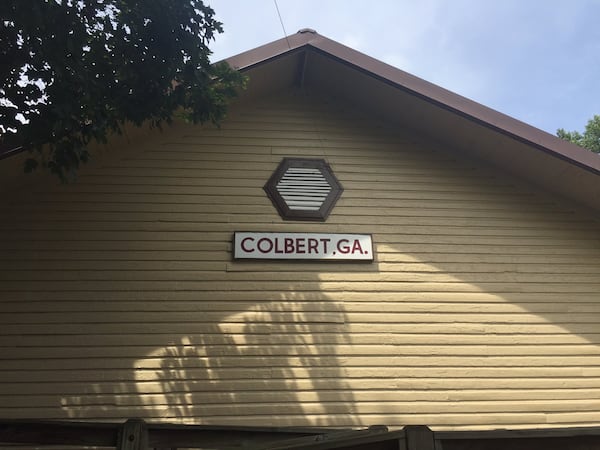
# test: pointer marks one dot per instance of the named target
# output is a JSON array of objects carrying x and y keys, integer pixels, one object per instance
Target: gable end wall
[{"x": 119, "y": 296}]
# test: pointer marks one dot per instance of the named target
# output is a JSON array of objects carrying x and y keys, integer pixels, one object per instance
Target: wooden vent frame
[{"x": 303, "y": 189}]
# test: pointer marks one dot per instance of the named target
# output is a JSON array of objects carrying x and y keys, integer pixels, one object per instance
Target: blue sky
[{"x": 535, "y": 60}]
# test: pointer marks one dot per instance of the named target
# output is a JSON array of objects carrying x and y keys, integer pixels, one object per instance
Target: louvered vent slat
[{"x": 303, "y": 188}]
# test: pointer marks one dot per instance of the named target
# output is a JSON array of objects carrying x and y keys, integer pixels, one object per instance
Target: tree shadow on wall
[
  {"x": 275, "y": 364},
  {"x": 270, "y": 362}
]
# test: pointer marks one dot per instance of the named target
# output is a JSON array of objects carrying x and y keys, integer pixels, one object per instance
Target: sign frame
[{"x": 302, "y": 246}]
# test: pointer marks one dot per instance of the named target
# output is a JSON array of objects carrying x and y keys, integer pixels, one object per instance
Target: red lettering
[
  {"x": 289, "y": 245},
  {"x": 277, "y": 248},
  {"x": 269, "y": 243},
  {"x": 243, "y": 244},
  {"x": 313, "y": 245},
  {"x": 356, "y": 247},
  {"x": 300, "y": 244},
  {"x": 325, "y": 241},
  {"x": 343, "y": 246}
]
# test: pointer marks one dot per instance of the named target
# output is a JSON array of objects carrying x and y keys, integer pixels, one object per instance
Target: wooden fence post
[
  {"x": 133, "y": 435},
  {"x": 419, "y": 437}
]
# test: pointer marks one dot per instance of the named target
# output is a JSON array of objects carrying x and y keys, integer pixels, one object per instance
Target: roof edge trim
[
  {"x": 529, "y": 140},
  {"x": 425, "y": 90}
]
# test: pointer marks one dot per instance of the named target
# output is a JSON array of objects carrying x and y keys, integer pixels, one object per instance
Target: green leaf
[
  {"x": 97, "y": 65},
  {"x": 590, "y": 139}
]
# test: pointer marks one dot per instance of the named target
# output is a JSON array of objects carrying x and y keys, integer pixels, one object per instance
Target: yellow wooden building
[{"x": 120, "y": 295}]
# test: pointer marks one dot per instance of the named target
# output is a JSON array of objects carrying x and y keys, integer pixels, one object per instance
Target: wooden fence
[{"x": 135, "y": 434}]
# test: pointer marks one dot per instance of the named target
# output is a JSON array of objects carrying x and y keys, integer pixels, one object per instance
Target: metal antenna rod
[{"x": 281, "y": 21}]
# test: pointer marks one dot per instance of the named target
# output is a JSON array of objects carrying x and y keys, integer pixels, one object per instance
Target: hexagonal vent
[{"x": 303, "y": 189}]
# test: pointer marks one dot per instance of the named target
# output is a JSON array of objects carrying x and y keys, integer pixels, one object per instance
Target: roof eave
[
  {"x": 249, "y": 59},
  {"x": 460, "y": 105},
  {"x": 535, "y": 155}
]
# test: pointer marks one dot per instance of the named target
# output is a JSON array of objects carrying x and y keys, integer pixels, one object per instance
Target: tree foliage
[
  {"x": 75, "y": 71},
  {"x": 589, "y": 139}
]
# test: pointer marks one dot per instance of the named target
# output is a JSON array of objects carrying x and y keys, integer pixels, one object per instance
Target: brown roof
[{"x": 462, "y": 125}]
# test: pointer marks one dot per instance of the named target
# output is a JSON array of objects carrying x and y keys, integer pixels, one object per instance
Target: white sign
[{"x": 306, "y": 246}]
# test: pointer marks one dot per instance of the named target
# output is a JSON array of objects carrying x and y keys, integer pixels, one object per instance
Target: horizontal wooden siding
[{"x": 119, "y": 297}]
